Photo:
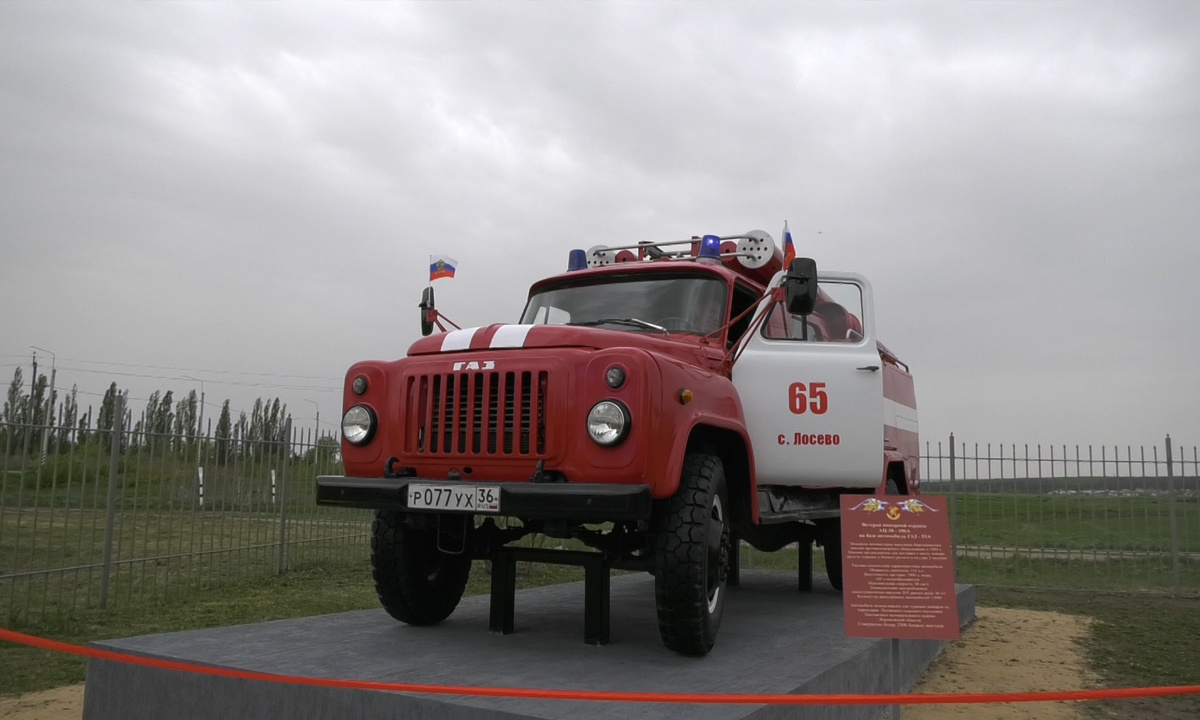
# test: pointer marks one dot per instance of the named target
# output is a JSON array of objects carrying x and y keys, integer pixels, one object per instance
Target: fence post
[
  {"x": 285, "y": 457},
  {"x": 953, "y": 507},
  {"x": 118, "y": 427},
  {"x": 1174, "y": 521}
]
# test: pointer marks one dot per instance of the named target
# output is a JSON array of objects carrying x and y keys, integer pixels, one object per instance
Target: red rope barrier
[{"x": 600, "y": 695}]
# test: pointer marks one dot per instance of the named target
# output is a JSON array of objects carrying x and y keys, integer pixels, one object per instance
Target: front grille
[{"x": 477, "y": 413}]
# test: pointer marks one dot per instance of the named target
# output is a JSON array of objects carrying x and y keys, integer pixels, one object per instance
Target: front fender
[{"x": 713, "y": 407}]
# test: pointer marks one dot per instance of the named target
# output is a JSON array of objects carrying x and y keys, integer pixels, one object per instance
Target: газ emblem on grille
[{"x": 473, "y": 365}]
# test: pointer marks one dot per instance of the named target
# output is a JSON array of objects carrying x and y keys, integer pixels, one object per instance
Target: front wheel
[
  {"x": 416, "y": 582},
  {"x": 691, "y": 557}
]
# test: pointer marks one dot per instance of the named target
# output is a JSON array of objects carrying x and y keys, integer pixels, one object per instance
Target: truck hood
[{"x": 690, "y": 348}]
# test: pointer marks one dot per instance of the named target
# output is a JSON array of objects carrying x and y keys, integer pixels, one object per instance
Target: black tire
[
  {"x": 416, "y": 583},
  {"x": 691, "y": 557}
]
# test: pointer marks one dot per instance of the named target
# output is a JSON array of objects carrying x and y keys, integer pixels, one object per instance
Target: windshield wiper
[{"x": 624, "y": 321}]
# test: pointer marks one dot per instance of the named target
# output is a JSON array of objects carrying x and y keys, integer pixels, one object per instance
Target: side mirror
[
  {"x": 802, "y": 286},
  {"x": 427, "y": 311}
]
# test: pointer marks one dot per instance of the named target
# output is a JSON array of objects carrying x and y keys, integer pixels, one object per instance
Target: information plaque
[{"x": 898, "y": 568}]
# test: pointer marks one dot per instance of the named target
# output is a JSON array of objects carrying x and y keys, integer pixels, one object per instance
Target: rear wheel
[
  {"x": 691, "y": 558},
  {"x": 416, "y": 582}
]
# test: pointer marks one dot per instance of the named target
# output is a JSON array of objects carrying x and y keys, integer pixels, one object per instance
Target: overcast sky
[{"x": 247, "y": 194}]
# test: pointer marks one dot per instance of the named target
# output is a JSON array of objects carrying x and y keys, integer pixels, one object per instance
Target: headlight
[
  {"x": 358, "y": 425},
  {"x": 608, "y": 422}
]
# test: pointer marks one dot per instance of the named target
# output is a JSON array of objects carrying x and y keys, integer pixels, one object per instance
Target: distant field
[
  {"x": 1188, "y": 486},
  {"x": 1077, "y": 521},
  {"x": 145, "y": 480},
  {"x": 52, "y": 562}
]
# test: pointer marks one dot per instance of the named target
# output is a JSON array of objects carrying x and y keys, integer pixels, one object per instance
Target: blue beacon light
[
  {"x": 710, "y": 248},
  {"x": 577, "y": 261}
]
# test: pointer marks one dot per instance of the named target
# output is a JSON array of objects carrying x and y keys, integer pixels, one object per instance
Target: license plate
[{"x": 461, "y": 498}]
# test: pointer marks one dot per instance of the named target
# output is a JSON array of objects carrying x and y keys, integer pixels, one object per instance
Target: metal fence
[
  {"x": 1106, "y": 518},
  {"x": 95, "y": 518}
]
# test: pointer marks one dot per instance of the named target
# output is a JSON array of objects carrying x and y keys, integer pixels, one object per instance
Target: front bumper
[{"x": 586, "y": 503}]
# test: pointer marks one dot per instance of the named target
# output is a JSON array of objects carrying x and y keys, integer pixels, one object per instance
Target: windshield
[{"x": 671, "y": 304}]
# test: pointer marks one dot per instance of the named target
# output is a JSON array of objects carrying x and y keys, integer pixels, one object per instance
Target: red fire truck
[{"x": 659, "y": 402}]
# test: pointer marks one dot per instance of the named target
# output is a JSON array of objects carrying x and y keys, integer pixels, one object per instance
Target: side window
[
  {"x": 797, "y": 330},
  {"x": 778, "y": 325},
  {"x": 837, "y": 317},
  {"x": 549, "y": 315},
  {"x": 839, "y": 311},
  {"x": 743, "y": 299},
  {"x": 782, "y": 325}
]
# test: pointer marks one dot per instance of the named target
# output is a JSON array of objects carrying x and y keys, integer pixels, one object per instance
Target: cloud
[{"x": 257, "y": 187}]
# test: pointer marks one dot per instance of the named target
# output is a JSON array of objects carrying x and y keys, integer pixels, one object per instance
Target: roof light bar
[
  {"x": 577, "y": 260},
  {"x": 754, "y": 250},
  {"x": 710, "y": 248}
]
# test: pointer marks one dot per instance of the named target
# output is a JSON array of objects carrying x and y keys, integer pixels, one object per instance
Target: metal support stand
[
  {"x": 595, "y": 588},
  {"x": 804, "y": 553}
]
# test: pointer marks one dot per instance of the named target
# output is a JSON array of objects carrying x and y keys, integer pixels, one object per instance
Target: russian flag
[
  {"x": 789, "y": 250},
  {"x": 441, "y": 266}
]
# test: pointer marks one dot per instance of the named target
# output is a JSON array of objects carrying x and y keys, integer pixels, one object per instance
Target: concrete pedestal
[{"x": 773, "y": 640}]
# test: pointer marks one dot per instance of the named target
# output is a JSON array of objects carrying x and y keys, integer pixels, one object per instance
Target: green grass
[
  {"x": 315, "y": 589},
  {"x": 156, "y": 554},
  {"x": 782, "y": 560},
  {"x": 152, "y": 479},
  {"x": 1076, "y": 522},
  {"x": 1144, "y": 575},
  {"x": 45, "y": 540},
  {"x": 1136, "y": 641},
  {"x": 1149, "y": 575},
  {"x": 307, "y": 591}
]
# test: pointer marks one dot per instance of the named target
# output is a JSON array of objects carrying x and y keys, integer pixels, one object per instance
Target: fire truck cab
[{"x": 658, "y": 402}]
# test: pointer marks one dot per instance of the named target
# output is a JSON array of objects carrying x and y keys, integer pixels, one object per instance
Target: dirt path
[
  {"x": 1010, "y": 651},
  {"x": 1004, "y": 651},
  {"x": 64, "y": 703}
]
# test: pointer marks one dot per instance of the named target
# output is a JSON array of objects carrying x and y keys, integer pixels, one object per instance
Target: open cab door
[{"x": 811, "y": 383}]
